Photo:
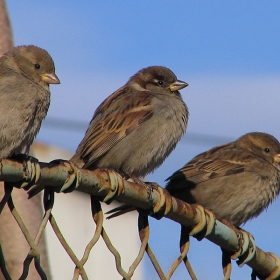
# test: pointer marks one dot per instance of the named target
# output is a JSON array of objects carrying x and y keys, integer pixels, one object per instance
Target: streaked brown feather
[
  {"x": 110, "y": 129},
  {"x": 217, "y": 162}
]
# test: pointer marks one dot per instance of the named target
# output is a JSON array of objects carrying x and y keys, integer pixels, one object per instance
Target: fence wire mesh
[{"x": 107, "y": 185}]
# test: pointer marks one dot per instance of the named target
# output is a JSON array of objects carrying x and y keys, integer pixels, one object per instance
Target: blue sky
[{"x": 228, "y": 52}]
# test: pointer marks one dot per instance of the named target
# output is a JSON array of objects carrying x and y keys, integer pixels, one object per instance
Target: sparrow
[
  {"x": 137, "y": 127},
  {"x": 236, "y": 181},
  {"x": 25, "y": 75}
]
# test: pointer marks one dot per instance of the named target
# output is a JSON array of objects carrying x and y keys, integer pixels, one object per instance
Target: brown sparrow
[
  {"x": 236, "y": 181},
  {"x": 136, "y": 127},
  {"x": 25, "y": 75}
]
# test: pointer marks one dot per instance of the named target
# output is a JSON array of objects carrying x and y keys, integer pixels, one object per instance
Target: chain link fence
[{"x": 107, "y": 185}]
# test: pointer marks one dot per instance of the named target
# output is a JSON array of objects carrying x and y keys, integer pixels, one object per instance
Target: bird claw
[
  {"x": 248, "y": 248},
  {"x": 31, "y": 168},
  {"x": 246, "y": 244},
  {"x": 71, "y": 183},
  {"x": 150, "y": 187}
]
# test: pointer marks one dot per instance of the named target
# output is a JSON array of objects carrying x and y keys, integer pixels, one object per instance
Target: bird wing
[
  {"x": 14, "y": 114},
  {"x": 208, "y": 169},
  {"x": 218, "y": 162},
  {"x": 113, "y": 121}
]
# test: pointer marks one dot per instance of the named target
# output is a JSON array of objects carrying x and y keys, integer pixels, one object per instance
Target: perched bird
[
  {"x": 236, "y": 181},
  {"x": 25, "y": 75},
  {"x": 136, "y": 127}
]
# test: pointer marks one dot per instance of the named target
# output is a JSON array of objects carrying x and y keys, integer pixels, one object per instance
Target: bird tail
[
  {"x": 120, "y": 211},
  {"x": 35, "y": 190}
]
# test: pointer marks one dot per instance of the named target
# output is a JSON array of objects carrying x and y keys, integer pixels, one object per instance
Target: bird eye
[
  {"x": 160, "y": 83},
  {"x": 37, "y": 66},
  {"x": 267, "y": 150}
]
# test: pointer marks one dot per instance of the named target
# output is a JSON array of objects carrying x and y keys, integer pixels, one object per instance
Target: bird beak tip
[
  {"x": 277, "y": 158},
  {"x": 50, "y": 78},
  {"x": 177, "y": 85}
]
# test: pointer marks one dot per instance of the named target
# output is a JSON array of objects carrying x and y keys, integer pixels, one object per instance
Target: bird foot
[
  {"x": 150, "y": 187},
  {"x": 32, "y": 170}
]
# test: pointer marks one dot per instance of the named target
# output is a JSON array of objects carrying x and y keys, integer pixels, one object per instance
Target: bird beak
[
  {"x": 50, "y": 78},
  {"x": 277, "y": 158},
  {"x": 177, "y": 85}
]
